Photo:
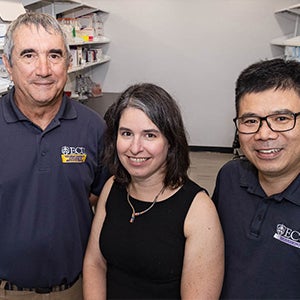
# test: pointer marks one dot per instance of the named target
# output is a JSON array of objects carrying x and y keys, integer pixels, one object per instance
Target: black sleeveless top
[{"x": 145, "y": 258}]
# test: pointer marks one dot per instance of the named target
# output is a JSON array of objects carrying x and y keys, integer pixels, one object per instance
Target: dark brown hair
[{"x": 163, "y": 111}]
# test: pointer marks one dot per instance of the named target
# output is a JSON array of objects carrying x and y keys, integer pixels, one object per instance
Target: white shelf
[
  {"x": 281, "y": 41},
  {"x": 101, "y": 40},
  {"x": 104, "y": 59},
  {"x": 69, "y": 8},
  {"x": 51, "y": 7},
  {"x": 79, "y": 11},
  {"x": 45, "y": 2},
  {"x": 294, "y": 42},
  {"x": 294, "y": 9}
]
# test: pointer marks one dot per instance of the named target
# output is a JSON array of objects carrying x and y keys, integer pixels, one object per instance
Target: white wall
[{"x": 195, "y": 49}]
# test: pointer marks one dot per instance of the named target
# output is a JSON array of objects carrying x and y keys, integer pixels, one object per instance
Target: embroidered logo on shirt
[
  {"x": 287, "y": 235},
  {"x": 70, "y": 154}
]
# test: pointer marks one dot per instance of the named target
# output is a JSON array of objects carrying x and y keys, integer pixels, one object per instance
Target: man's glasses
[{"x": 279, "y": 122}]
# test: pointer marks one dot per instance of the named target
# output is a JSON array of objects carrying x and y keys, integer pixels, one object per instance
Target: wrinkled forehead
[
  {"x": 36, "y": 37},
  {"x": 30, "y": 30}
]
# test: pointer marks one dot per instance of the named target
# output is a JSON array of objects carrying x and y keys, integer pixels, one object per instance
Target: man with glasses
[{"x": 258, "y": 197}]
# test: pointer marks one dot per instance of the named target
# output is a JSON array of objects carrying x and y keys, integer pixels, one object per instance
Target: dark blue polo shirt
[
  {"x": 45, "y": 181},
  {"x": 262, "y": 235}
]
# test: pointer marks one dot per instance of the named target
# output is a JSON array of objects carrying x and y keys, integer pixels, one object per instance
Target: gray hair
[{"x": 46, "y": 21}]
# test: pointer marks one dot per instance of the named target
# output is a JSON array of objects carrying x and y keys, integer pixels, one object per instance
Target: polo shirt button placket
[{"x": 259, "y": 216}]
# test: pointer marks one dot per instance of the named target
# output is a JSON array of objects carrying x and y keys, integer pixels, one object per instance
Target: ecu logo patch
[{"x": 70, "y": 154}]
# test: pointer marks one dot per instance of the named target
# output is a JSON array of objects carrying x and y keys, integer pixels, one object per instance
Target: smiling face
[
  {"x": 39, "y": 68},
  {"x": 141, "y": 147},
  {"x": 275, "y": 154}
]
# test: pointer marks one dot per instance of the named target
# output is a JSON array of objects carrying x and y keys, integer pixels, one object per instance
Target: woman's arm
[
  {"x": 94, "y": 267},
  {"x": 203, "y": 265}
]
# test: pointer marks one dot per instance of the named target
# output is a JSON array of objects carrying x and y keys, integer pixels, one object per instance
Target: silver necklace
[{"x": 134, "y": 213}]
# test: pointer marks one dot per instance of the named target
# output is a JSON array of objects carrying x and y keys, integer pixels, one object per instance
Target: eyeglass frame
[{"x": 295, "y": 115}]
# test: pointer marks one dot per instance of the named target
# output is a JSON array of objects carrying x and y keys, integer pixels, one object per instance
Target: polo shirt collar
[
  {"x": 12, "y": 113},
  {"x": 67, "y": 110},
  {"x": 249, "y": 180}
]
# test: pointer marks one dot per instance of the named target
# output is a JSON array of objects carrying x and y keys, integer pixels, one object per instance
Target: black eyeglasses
[{"x": 279, "y": 122}]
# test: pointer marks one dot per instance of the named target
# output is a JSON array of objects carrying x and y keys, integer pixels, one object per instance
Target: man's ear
[{"x": 7, "y": 65}]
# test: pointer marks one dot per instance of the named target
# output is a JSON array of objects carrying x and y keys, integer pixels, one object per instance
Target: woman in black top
[{"x": 158, "y": 232}]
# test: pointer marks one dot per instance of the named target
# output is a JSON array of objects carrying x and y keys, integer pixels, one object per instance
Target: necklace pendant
[
  {"x": 132, "y": 218},
  {"x": 135, "y": 214}
]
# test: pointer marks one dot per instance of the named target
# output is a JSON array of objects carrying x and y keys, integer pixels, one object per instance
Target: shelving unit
[
  {"x": 290, "y": 42},
  {"x": 73, "y": 9},
  {"x": 294, "y": 9},
  {"x": 102, "y": 40},
  {"x": 10, "y": 9},
  {"x": 51, "y": 7},
  {"x": 105, "y": 59}
]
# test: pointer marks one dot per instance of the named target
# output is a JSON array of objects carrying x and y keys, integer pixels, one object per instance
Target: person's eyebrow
[
  {"x": 56, "y": 51},
  {"x": 30, "y": 50},
  {"x": 25, "y": 51}
]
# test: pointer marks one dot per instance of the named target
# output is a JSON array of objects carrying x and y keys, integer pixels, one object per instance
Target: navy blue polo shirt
[
  {"x": 45, "y": 181},
  {"x": 262, "y": 235}
]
